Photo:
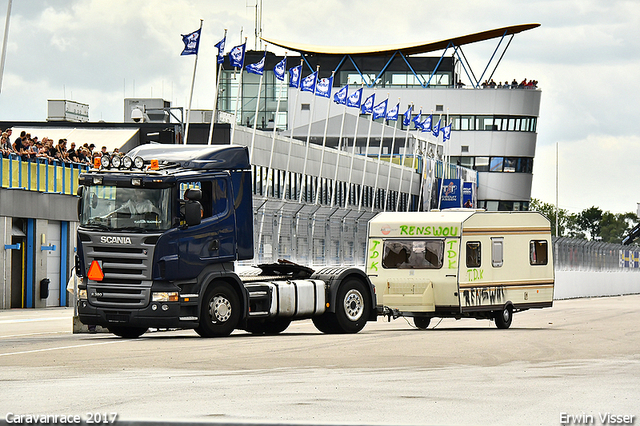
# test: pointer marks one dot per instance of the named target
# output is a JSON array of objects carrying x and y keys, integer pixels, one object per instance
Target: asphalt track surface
[{"x": 579, "y": 358}]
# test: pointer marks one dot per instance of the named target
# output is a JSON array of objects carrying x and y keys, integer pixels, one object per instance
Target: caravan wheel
[{"x": 504, "y": 317}]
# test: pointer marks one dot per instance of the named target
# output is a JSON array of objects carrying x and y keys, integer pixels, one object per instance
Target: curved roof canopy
[{"x": 406, "y": 48}]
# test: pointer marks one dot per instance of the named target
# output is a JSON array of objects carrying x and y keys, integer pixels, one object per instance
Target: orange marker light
[
  {"x": 154, "y": 165},
  {"x": 96, "y": 163},
  {"x": 95, "y": 272}
]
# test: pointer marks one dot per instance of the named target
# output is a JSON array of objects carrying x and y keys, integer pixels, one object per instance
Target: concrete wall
[{"x": 572, "y": 284}]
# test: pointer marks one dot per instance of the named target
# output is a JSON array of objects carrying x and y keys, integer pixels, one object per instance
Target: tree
[
  {"x": 614, "y": 227},
  {"x": 549, "y": 210},
  {"x": 589, "y": 220}
]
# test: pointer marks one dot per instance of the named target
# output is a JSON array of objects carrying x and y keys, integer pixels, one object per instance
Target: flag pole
[
  {"x": 287, "y": 179},
  {"x": 335, "y": 178},
  {"x": 255, "y": 116},
  {"x": 402, "y": 160},
  {"x": 273, "y": 137},
  {"x": 375, "y": 187},
  {"x": 303, "y": 183},
  {"x": 235, "y": 112},
  {"x": 324, "y": 137},
  {"x": 4, "y": 41},
  {"x": 353, "y": 152},
  {"x": 193, "y": 80},
  {"x": 215, "y": 96},
  {"x": 366, "y": 155},
  {"x": 413, "y": 167},
  {"x": 393, "y": 147}
]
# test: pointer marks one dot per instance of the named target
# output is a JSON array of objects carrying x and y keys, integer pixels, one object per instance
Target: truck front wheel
[
  {"x": 127, "y": 332},
  {"x": 220, "y": 311}
]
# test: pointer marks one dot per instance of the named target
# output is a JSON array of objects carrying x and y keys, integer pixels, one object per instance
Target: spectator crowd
[
  {"x": 30, "y": 148},
  {"x": 490, "y": 84}
]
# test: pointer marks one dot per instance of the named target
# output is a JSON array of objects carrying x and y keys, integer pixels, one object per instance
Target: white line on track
[{"x": 63, "y": 347}]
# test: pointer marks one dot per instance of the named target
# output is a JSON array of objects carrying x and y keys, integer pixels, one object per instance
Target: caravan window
[
  {"x": 473, "y": 254},
  {"x": 538, "y": 252},
  {"x": 413, "y": 254},
  {"x": 497, "y": 252}
]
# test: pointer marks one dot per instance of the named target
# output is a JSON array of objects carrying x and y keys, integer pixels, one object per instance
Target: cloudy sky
[{"x": 585, "y": 55}]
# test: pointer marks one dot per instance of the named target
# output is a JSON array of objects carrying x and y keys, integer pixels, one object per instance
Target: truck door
[{"x": 213, "y": 240}]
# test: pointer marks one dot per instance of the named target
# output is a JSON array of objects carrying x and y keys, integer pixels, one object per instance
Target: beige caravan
[{"x": 460, "y": 263}]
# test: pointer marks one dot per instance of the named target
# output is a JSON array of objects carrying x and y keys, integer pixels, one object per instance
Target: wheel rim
[
  {"x": 220, "y": 309},
  {"x": 506, "y": 314},
  {"x": 353, "y": 305}
]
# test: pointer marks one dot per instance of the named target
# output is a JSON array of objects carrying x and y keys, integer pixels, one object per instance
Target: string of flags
[{"x": 321, "y": 87}]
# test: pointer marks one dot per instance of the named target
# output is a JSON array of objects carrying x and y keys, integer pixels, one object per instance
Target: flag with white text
[
  {"x": 324, "y": 87},
  {"x": 380, "y": 110},
  {"x": 220, "y": 46},
  {"x": 294, "y": 76},
  {"x": 341, "y": 95},
  {"x": 354, "y": 100},
  {"x": 309, "y": 82},
  {"x": 191, "y": 42},
  {"x": 280, "y": 69},
  {"x": 236, "y": 55},
  {"x": 257, "y": 68},
  {"x": 392, "y": 114},
  {"x": 367, "y": 106}
]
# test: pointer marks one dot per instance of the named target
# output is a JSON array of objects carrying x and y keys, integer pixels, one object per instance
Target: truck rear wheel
[
  {"x": 352, "y": 307},
  {"x": 220, "y": 312},
  {"x": 269, "y": 326},
  {"x": 422, "y": 322},
  {"x": 127, "y": 332},
  {"x": 504, "y": 317}
]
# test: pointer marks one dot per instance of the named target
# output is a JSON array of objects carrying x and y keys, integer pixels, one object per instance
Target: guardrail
[
  {"x": 39, "y": 175},
  {"x": 572, "y": 254}
]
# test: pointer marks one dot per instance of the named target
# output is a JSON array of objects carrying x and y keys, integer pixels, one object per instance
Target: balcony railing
[{"x": 39, "y": 175}]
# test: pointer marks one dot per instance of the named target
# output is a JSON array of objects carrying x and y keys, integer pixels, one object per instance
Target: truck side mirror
[
  {"x": 79, "y": 207},
  {"x": 192, "y": 213}
]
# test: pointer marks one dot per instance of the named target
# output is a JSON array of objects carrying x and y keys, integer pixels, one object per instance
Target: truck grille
[{"x": 127, "y": 270}]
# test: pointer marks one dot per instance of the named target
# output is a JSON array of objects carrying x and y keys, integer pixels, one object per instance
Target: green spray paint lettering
[
  {"x": 452, "y": 254},
  {"x": 374, "y": 254},
  {"x": 475, "y": 274}
]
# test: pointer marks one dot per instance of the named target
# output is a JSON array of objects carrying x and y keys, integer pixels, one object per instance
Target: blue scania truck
[{"x": 159, "y": 232}]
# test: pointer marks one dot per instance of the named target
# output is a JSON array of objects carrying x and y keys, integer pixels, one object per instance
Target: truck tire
[
  {"x": 352, "y": 307},
  {"x": 326, "y": 323},
  {"x": 422, "y": 322},
  {"x": 504, "y": 317},
  {"x": 269, "y": 326},
  {"x": 127, "y": 332},
  {"x": 220, "y": 312}
]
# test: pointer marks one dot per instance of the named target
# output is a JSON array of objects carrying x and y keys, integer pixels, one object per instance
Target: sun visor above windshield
[{"x": 207, "y": 157}]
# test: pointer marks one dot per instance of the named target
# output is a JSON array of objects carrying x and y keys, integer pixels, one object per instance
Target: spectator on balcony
[
  {"x": 18, "y": 146},
  {"x": 5, "y": 145},
  {"x": 9, "y": 131}
]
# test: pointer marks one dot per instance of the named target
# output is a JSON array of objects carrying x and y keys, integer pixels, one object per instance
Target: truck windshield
[{"x": 131, "y": 209}]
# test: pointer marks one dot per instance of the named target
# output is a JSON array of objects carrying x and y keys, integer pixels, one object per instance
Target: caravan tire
[
  {"x": 504, "y": 317},
  {"x": 422, "y": 322}
]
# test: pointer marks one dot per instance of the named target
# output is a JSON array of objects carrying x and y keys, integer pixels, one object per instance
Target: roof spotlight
[
  {"x": 104, "y": 161},
  {"x": 138, "y": 162},
  {"x": 116, "y": 161},
  {"x": 127, "y": 162}
]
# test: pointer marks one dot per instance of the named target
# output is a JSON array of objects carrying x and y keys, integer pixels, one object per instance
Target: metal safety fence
[{"x": 572, "y": 254}]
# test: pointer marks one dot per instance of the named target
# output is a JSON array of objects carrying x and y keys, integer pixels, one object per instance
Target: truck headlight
[
  {"x": 82, "y": 294},
  {"x": 171, "y": 296}
]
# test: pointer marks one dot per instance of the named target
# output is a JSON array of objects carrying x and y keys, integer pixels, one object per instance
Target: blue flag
[
  {"x": 436, "y": 130},
  {"x": 191, "y": 42},
  {"x": 280, "y": 68},
  {"x": 236, "y": 55},
  {"x": 353, "y": 101},
  {"x": 406, "y": 120},
  {"x": 380, "y": 110},
  {"x": 426, "y": 124},
  {"x": 417, "y": 119},
  {"x": 341, "y": 95},
  {"x": 294, "y": 76},
  {"x": 309, "y": 82},
  {"x": 324, "y": 87},
  {"x": 257, "y": 68},
  {"x": 392, "y": 115},
  {"x": 220, "y": 46},
  {"x": 367, "y": 106},
  {"x": 446, "y": 133}
]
